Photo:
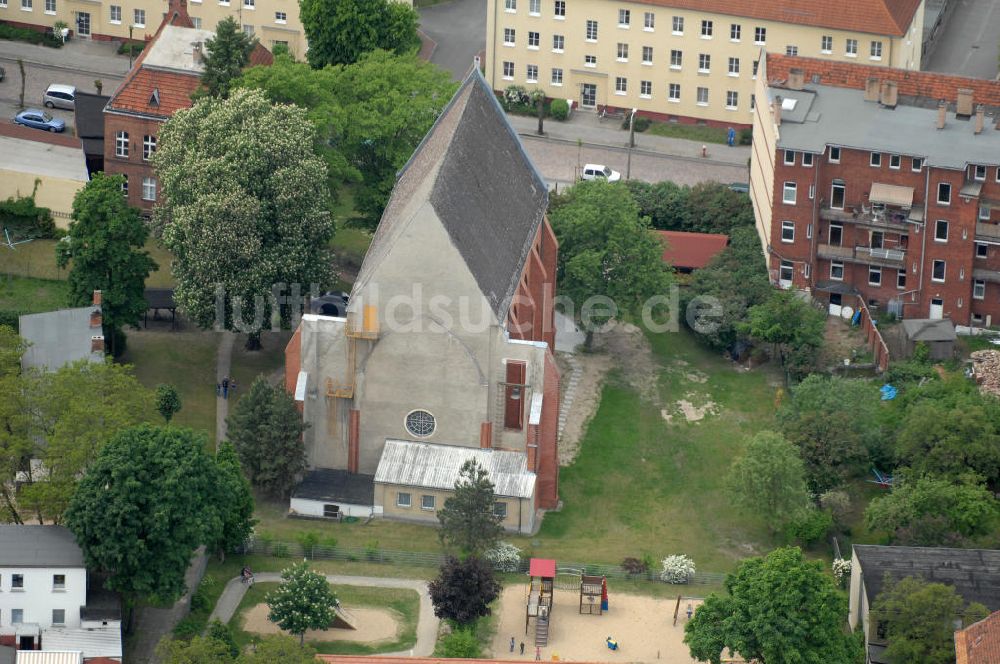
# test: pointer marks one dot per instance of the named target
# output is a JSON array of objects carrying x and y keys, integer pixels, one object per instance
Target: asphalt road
[
  {"x": 459, "y": 28},
  {"x": 969, "y": 43}
]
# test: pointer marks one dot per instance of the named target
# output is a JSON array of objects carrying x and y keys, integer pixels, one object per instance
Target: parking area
[{"x": 968, "y": 43}]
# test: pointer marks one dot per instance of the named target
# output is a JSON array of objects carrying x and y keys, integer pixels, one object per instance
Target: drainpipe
[
  {"x": 927, "y": 210},
  {"x": 493, "y": 57}
]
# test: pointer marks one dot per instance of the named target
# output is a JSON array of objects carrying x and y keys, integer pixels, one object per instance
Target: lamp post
[
  {"x": 131, "y": 26},
  {"x": 631, "y": 143}
]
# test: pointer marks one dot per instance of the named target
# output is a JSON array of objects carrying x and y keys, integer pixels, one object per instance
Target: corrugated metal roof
[
  {"x": 49, "y": 657},
  {"x": 93, "y": 642},
  {"x": 38, "y": 546},
  {"x": 436, "y": 467}
]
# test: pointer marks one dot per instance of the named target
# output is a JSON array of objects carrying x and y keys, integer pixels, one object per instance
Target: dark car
[{"x": 38, "y": 119}]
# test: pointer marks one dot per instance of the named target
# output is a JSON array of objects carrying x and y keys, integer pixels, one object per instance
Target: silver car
[{"x": 60, "y": 96}]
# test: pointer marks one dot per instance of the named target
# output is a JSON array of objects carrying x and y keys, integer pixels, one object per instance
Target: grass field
[
  {"x": 31, "y": 296},
  {"x": 37, "y": 259},
  {"x": 688, "y": 131}
]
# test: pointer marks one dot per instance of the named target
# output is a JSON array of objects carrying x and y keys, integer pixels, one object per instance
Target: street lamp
[
  {"x": 631, "y": 142},
  {"x": 131, "y": 26}
]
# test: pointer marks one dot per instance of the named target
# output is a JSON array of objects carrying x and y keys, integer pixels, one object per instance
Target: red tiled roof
[
  {"x": 979, "y": 643},
  {"x": 925, "y": 84},
  {"x": 175, "y": 89},
  {"x": 27, "y": 133},
  {"x": 881, "y": 17},
  {"x": 260, "y": 56},
  {"x": 692, "y": 250},
  {"x": 544, "y": 567}
]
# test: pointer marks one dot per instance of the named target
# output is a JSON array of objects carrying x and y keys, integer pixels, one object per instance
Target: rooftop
[
  {"x": 921, "y": 329},
  {"x": 38, "y": 546},
  {"x": 336, "y": 486},
  {"x": 59, "y": 337},
  {"x": 41, "y": 156},
  {"x": 692, "y": 250},
  {"x": 979, "y": 643},
  {"x": 105, "y": 642},
  {"x": 174, "y": 49}
]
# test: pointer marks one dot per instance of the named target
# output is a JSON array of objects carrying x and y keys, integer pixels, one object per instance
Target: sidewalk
[
  {"x": 81, "y": 55},
  {"x": 591, "y": 130}
]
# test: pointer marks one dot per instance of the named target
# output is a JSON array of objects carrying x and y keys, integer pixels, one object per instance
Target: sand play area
[
  {"x": 373, "y": 626},
  {"x": 643, "y": 627}
]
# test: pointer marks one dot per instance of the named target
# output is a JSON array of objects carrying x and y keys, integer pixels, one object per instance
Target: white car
[{"x": 600, "y": 172}]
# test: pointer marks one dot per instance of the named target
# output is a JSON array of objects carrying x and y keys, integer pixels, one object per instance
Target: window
[
  {"x": 508, "y": 70},
  {"x": 984, "y": 212},
  {"x": 753, "y": 101},
  {"x": 735, "y": 31},
  {"x": 622, "y": 52},
  {"x": 420, "y": 423},
  {"x": 533, "y": 40},
  {"x": 982, "y": 250},
  {"x": 196, "y": 21},
  {"x": 621, "y": 85},
  {"x": 791, "y": 50},
  {"x": 789, "y": 159},
  {"x": 508, "y": 36},
  {"x": 944, "y": 193},
  {"x": 148, "y": 147},
  {"x": 426, "y": 502},
  {"x": 704, "y": 63},
  {"x": 702, "y": 98},
  {"x": 877, "y": 239},
  {"x": 558, "y": 43},
  {"x": 876, "y": 50},
  {"x": 851, "y": 48},
  {"x": 535, "y": 7},
  {"x": 807, "y": 159},
  {"x": 756, "y": 64},
  {"x": 732, "y": 99},
  {"x": 874, "y": 276},
  {"x": 937, "y": 271},
  {"x": 900, "y": 279},
  {"x": 645, "y": 89},
  {"x": 16, "y": 616},
  {"x": 978, "y": 289},
  {"x": 836, "y": 270},
  {"x": 826, "y": 44},
  {"x": 121, "y": 144},
  {"x": 139, "y": 16},
  {"x": 837, "y": 190},
  {"x": 674, "y": 92},
  {"x": 836, "y": 235},
  {"x": 916, "y": 164},
  {"x": 834, "y": 155},
  {"x": 59, "y": 582},
  {"x": 979, "y": 172},
  {"x": 734, "y": 66},
  {"x": 560, "y": 8},
  {"x": 403, "y": 499},
  {"x": 591, "y": 30},
  {"x": 785, "y": 272},
  {"x": 17, "y": 582},
  {"x": 788, "y": 193},
  {"x": 531, "y": 73},
  {"x": 124, "y": 185},
  {"x": 26, "y": 5},
  {"x": 149, "y": 189},
  {"x": 50, "y": 6},
  {"x": 280, "y": 17},
  {"x": 649, "y": 21},
  {"x": 500, "y": 510},
  {"x": 624, "y": 18},
  {"x": 249, "y": 4},
  {"x": 759, "y": 35},
  {"x": 58, "y": 616},
  {"x": 788, "y": 231},
  {"x": 590, "y": 61},
  {"x": 676, "y": 58},
  {"x": 894, "y": 161},
  {"x": 706, "y": 29},
  {"x": 557, "y": 76},
  {"x": 678, "y": 25},
  {"x": 941, "y": 231},
  {"x": 116, "y": 14},
  {"x": 998, "y": 173},
  {"x": 510, "y": 5},
  {"x": 806, "y": 270},
  {"x": 647, "y": 55},
  {"x": 875, "y": 159}
]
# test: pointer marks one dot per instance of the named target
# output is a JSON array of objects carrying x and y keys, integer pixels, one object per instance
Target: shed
[
  {"x": 89, "y": 118},
  {"x": 687, "y": 252},
  {"x": 938, "y": 334}
]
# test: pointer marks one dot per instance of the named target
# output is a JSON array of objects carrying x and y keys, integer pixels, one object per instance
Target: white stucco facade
[{"x": 40, "y": 594}]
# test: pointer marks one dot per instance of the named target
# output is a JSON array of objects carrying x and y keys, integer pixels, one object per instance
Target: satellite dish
[{"x": 846, "y": 312}]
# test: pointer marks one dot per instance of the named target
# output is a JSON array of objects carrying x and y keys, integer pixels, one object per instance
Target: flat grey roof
[
  {"x": 58, "y": 337},
  {"x": 825, "y": 115},
  {"x": 174, "y": 49},
  {"x": 45, "y": 159},
  {"x": 38, "y": 546},
  {"x": 926, "y": 329}
]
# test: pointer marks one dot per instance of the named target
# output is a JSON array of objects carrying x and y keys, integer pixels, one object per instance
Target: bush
[
  {"x": 505, "y": 557},
  {"x": 838, "y": 503},
  {"x": 677, "y": 569},
  {"x": 811, "y": 527},
  {"x": 23, "y": 216},
  {"x": 222, "y": 633},
  {"x": 842, "y": 571},
  {"x": 461, "y": 643},
  {"x": 635, "y": 566},
  {"x": 746, "y": 136},
  {"x": 135, "y": 47},
  {"x": 10, "y": 318},
  {"x": 187, "y": 628},
  {"x": 30, "y": 36},
  {"x": 641, "y": 123},
  {"x": 559, "y": 109}
]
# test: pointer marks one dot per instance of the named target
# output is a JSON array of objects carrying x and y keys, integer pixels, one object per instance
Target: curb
[
  {"x": 47, "y": 65},
  {"x": 425, "y": 40},
  {"x": 640, "y": 151}
]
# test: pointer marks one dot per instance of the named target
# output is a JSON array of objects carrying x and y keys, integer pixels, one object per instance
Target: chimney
[
  {"x": 796, "y": 79},
  {"x": 196, "y": 52},
  {"x": 963, "y": 106},
  {"x": 871, "y": 89},
  {"x": 980, "y": 118},
  {"x": 777, "y": 110},
  {"x": 96, "y": 320},
  {"x": 97, "y": 298},
  {"x": 97, "y": 344},
  {"x": 942, "y": 112},
  {"x": 889, "y": 94}
]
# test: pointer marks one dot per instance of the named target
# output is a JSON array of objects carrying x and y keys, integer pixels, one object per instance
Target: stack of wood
[{"x": 986, "y": 368}]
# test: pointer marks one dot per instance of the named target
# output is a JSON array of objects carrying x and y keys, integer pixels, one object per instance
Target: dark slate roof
[
  {"x": 38, "y": 546},
  {"x": 159, "y": 298},
  {"x": 102, "y": 604},
  {"x": 337, "y": 486},
  {"x": 484, "y": 189},
  {"x": 921, "y": 329},
  {"x": 89, "y": 115},
  {"x": 973, "y": 573}
]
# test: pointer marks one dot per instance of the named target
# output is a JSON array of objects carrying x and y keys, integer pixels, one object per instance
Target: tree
[
  {"x": 143, "y": 507},
  {"x": 16, "y": 444},
  {"x": 104, "y": 245},
  {"x": 834, "y": 422},
  {"x": 235, "y": 502},
  {"x": 769, "y": 480},
  {"x": 929, "y": 511},
  {"x": 792, "y": 325},
  {"x": 279, "y": 649},
  {"x": 244, "y": 208},
  {"x": 222, "y": 633},
  {"x": 780, "y": 609},
  {"x": 607, "y": 249},
  {"x": 168, "y": 401},
  {"x": 468, "y": 520},
  {"x": 919, "y": 620},
  {"x": 464, "y": 589},
  {"x": 266, "y": 430},
  {"x": 228, "y": 52},
  {"x": 302, "y": 601},
  {"x": 707, "y": 207},
  {"x": 199, "y": 650},
  {"x": 340, "y": 31}
]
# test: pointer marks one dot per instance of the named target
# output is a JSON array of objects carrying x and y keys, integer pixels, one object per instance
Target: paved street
[
  {"x": 459, "y": 28},
  {"x": 968, "y": 44}
]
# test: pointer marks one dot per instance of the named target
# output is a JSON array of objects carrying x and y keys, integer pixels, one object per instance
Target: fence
[
  {"x": 874, "y": 337},
  {"x": 430, "y": 559}
]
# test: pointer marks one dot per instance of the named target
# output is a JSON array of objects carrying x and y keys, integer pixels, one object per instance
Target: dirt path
[{"x": 373, "y": 626}]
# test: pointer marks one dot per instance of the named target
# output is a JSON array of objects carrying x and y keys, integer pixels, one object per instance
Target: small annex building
[
  {"x": 687, "y": 252},
  {"x": 61, "y": 337}
]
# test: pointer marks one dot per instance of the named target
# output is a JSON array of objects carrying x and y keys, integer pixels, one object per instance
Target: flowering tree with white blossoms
[
  {"x": 505, "y": 557},
  {"x": 303, "y": 601},
  {"x": 244, "y": 206},
  {"x": 841, "y": 571},
  {"x": 677, "y": 569}
]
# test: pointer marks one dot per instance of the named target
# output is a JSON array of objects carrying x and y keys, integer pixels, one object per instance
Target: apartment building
[
  {"x": 685, "y": 60},
  {"x": 273, "y": 22},
  {"x": 880, "y": 183}
]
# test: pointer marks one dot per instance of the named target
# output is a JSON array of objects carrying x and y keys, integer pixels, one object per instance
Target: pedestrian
[
  {"x": 522, "y": 648},
  {"x": 538, "y": 653},
  {"x": 690, "y": 610},
  {"x": 731, "y": 137},
  {"x": 232, "y": 386},
  {"x": 225, "y": 387},
  {"x": 512, "y": 643}
]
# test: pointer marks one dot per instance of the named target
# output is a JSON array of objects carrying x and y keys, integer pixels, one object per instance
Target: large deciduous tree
[
  {"x": 235, "y": 502},
  {"x": 266, "y": 430},
  {"x": 780, "y": 609},
  {"x": 104, "y": 248},
  {"x": 228, "y": 52},
  {"x": 707, "y": 207},
  {"x": 769, "y": 480},
  {"x": 302, "y": 601},
  {"x": 340, "y": 31},
  {"x": 244, "y": 207},
  {"x": 464, "y": 589},
  {"x": 16, "y": 443},
  {"x": 792, "y": 326},
  {"x": 468, "y": 520}
]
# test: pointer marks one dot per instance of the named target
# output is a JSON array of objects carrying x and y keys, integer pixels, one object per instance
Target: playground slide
[{"x": 344, "y": 619}]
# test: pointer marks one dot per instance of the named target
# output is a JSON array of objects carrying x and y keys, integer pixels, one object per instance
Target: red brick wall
[
  {"x": 547, "y": 491},
  {"x": 134, "y": 167},
  {"x": 293, "y": 360}
]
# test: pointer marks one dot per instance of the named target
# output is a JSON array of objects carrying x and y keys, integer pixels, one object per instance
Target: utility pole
[
  {"x": 631, "y": 143},
  {"x": 131, "y": 26}
]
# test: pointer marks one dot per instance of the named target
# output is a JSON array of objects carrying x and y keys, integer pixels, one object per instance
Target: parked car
[
  {"x": 38, "y": 119},
  {"x": 60, "y": 96},
  {"x": 600, "y": 172}
]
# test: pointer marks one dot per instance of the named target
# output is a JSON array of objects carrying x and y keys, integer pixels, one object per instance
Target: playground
[{"x": 366, "y": 625}]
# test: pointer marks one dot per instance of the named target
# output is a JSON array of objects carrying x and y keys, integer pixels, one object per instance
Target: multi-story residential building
[
  {"x": 161, "y": 82},
  {"x": 273, "y": 22},
  {"x": 682, "y": 60},
  {"x": 880, "y": 183}
]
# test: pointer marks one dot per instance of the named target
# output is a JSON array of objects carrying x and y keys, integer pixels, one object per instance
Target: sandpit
[
  {"x": 373, "y": 626},
  {"x": 643, "y": 627}
]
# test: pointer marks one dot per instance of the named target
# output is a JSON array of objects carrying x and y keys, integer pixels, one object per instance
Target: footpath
[{"x": 78, "y": 55}]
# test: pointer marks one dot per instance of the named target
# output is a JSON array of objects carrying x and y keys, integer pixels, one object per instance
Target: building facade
[
  {"x": 682, "y": 60},
  {"x": 454, "y": 353},
  {"x": 880, "y": 183}
]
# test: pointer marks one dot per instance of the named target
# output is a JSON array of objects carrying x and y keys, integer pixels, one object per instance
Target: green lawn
[
  {"x": 37, "y": 259},
  {"x": 688, "y": 131},
  {"x": 29, "y": 296},
  {"x": 247, "y": 365}
]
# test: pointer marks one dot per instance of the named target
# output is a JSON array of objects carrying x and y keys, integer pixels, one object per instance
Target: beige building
[{"x": 681, "y": 60}]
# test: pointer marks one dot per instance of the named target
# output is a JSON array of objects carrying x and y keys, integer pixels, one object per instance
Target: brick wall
[
  {"x": 547, "y": 490},
  {"x": 133, "y": 166}
]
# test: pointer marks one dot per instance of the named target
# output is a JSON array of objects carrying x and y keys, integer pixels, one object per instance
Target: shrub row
[{"x": 8, "y": 31}]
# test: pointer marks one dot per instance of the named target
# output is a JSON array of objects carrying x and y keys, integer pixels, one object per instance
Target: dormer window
[{"x": 154, "y": 99}]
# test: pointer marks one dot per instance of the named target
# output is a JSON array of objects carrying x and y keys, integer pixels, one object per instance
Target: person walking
[
  {"x": 232, "y": 386},
  {"x": 225, "y": 387},
  {"x": 538, "y": 653},
  {"x": 522, "y": 648},
  {"x": 512, "y": 643}
]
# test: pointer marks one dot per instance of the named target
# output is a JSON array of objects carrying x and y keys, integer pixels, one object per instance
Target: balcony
[
  {"x": 863, "y": 255},
  {"x": 986, "y": 275},
  {"x": 890, "y": 219},
  {"x": 987, "y": 231}
]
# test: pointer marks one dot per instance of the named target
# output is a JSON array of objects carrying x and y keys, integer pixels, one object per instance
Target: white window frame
[
  {"x": 27, "y": 6},
  {"x": 508, "y": 70},
  {"x": 704, "y": 63},
  {"x": 674, "y": 92},
  {"x": 944, "y": 270},
  {"x": 590, "y": 61},
  {"x": 701, "y": 95},
  {"x": 676, "y": 62},
  {"x": 621, "y": 85},
  {"x": 281, "y": 18},
  {"x": 51, "y": 3},
  {"x": 947, "y": 200},
  {"x": 976, "y": 170},
  {"x": 428, "y": 505},
  {"x": 408, "y": 503},
  {"x": 759, "y": 36},
  {"x": 788, "y": 232},
  {"x": 789, "y": 158},
  {"x": 622, "y": 52},
  {"x": 111, "y": 14},
  {"x": 649, "y": 21},
  {"x": 916, "y": 164},
  {"x": 937, "y": 228},
  {"x": 149, "y": 187},
  {"x": 148, "y": 147},
  {"x": 791, "y": 50},
  {"x": 834, "y": 160},
  {"x": 500, "y": 509},
  {"x": 707, "y": 28},
  {"x": 591, "y": 30},
  {"x": 836, "y": 266},
  {"x": 735, "y": 32},
  {"x": 510, "y": 6},
  {"x": 895, "y": 162},
  {"x": 872, "y": 271},
  {"x": 558, "y": 43},
  {"x": 789, "y": 188},
  {"x": 851, "y": 48},
  {"x": 527, "y": 73},
  {"x": 625, "y": 19},
  {"x": 826, "y": 44},
  {"x": 121, "y": 144},
  {"x": 807, "y": 159},
  {"x": 646, "y": 89},
  {"x": 734, "y": 67},
  {"x": 534, "y": 7},
  {"x": 984, "y": 212},
  {"x": 647, "y": 55},
  {"x": 139, "y": 16},
  {"x": 978, "y": 289},
  {"x": 55, "y": 620},
  {"x": 784, "y": 266},
  {"x": 559, "y": 10},
  {"x": 875, "y": 50},
  {"x": 557, "y": 76},
  {"x": 534, "y": 40},
  {"x": 732, "y": 100},
  {"x": 509, "y": 36},
  {"x": 677, "y": 25},
  {"x": 875, "y": 160},
  {"x": 985, "y": 250}
]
